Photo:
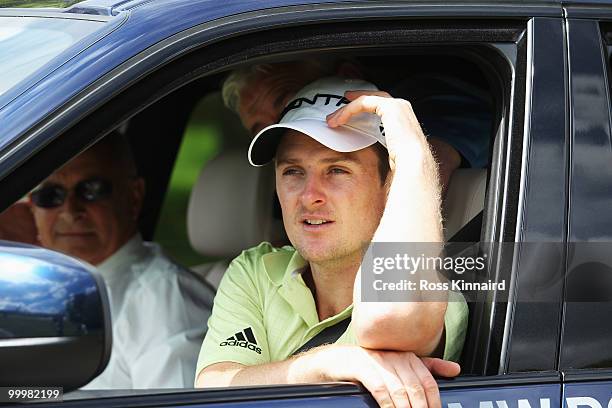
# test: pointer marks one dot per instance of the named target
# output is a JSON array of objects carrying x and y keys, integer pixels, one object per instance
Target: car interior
[
  {"x": 231, "y": 206},
  {"x": 242, "y": 197}
]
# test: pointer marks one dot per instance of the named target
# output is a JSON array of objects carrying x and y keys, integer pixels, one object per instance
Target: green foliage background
[
  {"x": 37, "y": 3},
  {"x": 200, "y": 143},
  {"x": 211, "y": 129}
]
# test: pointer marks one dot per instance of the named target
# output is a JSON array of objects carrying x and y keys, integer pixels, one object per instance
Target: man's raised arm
[{"x": 412, "y": 214}]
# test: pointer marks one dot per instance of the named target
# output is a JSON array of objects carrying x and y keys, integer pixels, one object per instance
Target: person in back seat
[
  {"x": 89, "y": 209},
  {"x": 456, "y": 113},
  {"x": 343, "y": 178}
]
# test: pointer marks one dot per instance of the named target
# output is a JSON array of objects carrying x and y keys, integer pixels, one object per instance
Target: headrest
[
  {"x": 464, "y": 199},
  {"x": 231, "y": 207}
]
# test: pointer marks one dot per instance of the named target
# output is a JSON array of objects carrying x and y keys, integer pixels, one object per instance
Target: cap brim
[{"x": 341, "y": 139}]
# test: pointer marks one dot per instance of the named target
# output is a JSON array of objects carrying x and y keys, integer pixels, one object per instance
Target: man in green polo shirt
[{"x": 344, "y": 177}]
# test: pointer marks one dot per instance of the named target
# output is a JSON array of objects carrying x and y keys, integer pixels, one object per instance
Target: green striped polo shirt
[{"x": 263, "y": 312}]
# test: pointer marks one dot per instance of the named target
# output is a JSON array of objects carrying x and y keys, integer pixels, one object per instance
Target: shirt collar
[
  {"x": 280, "y": 268},
  {"x": 128, "y": 254},
  {"x": 284, "y": 271}
]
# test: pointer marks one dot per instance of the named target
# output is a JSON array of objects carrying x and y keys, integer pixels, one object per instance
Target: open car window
[
  {"x": 27, "y": 43},
  {"x": 177, "y": 126}
]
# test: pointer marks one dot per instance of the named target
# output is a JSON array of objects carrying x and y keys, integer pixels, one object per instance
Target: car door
[
  {"x": 511, "y": 353},
  {"x": 585, "y": 357},
  {"x": 525, "y": 324}
]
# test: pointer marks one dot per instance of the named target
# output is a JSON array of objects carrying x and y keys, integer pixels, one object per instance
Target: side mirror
[{"x": 55, "y": 325}]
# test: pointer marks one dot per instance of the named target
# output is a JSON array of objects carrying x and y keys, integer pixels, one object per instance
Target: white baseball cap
[{"x": 307, "y": 113}]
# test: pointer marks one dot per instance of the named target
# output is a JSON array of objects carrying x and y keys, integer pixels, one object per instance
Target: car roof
[
  {"x": 113, "y": 7},
  {"x": 127, "y": 28}
]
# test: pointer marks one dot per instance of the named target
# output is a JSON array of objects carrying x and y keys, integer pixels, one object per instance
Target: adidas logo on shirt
[{"x": 244, "y": 339}]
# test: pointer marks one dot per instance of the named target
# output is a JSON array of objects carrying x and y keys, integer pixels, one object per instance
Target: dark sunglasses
[{"x": 54, "y": 195}]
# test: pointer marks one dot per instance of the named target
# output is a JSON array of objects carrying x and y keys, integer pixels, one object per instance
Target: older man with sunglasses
[{"x": 89, "y": 209}]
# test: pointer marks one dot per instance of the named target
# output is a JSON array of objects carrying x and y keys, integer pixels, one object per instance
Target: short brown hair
[{"x": 383, "y": 161}]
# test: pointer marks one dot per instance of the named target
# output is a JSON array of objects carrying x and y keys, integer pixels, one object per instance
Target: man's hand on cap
[
  {"x": 403, "y": 132},
  {"x": 412, "y": 212}
]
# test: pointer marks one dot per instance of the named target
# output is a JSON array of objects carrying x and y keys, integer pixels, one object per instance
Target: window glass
[
  {"x": 213, "y": 129},
  {"x": 27, "y": 43}
]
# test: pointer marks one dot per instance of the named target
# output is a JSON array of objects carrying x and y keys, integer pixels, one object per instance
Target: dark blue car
[{"x": 153, "y": 69}]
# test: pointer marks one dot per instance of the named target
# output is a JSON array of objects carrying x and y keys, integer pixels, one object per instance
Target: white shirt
[{"x": 159, "y": 312}]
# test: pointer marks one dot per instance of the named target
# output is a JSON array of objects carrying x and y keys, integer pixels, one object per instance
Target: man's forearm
[
  {"x": 393, "y": 378},
  {"x": 303, "y": 368},
  {"x": 412, "y": 325},
  {"x": 413, "y": 208},
  {"x": 412, "y": 214}
]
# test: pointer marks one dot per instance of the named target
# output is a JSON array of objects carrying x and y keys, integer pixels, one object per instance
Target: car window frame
[{"x": 536, "y": 322}]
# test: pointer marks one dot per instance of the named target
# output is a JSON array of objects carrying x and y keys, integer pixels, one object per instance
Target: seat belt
[
  {"x": 470, "y": 232},
  {"x": 327, "y": 336},
  {"x": 332, "y": 333}
]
